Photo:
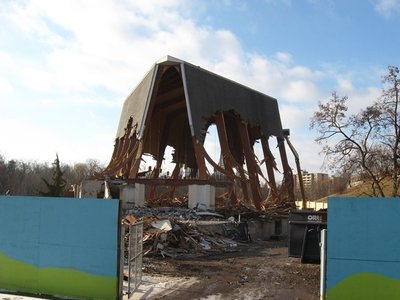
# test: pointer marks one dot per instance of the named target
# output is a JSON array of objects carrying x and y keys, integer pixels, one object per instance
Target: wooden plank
[
  {"x": 136, "y": 162},
  {"x": 201, "y": 164},
  {"x": 226, "y": 154},
  {"x": 269, "y": 163},
  {"x": 251, "y": 164},
  {"x": 287, "y": 171}
]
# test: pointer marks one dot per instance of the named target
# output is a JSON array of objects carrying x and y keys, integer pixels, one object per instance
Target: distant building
[
  {"x": 310, "y": 179},
  {"x": 313, "y": 183}
]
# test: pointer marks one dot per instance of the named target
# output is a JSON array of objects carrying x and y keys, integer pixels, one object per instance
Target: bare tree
[
  {"x": 389, "y": 132},
  {"x": 94, "y": 166},
  {"x": 364, "y": 144}
]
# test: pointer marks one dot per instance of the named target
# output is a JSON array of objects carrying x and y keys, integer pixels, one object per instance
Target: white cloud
[
  {"x": 305, "y": 73},
  {"x": 294, "y": 116},
  {"x": 308, "y": 151},
  {"x": 293, "y": 84},
  {"x": 121, "y": 40},
  {"x": 358, "y": 97},
  {"x": 44, "y": 141},
  {"x": 301, "y": 90},
  {"x": 387, "y": 8},
  {"x": 284, "y": 57},
  {"x": 6, "y": 88},
  {"x": 4, "y": 59},
  {"x": 361, "y": 98},
  {"x": 36, "y": 79},
  {"x": 344, "y": 85}
]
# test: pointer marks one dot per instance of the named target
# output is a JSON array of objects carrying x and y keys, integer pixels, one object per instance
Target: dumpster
[{"x": 304, "y": 234}]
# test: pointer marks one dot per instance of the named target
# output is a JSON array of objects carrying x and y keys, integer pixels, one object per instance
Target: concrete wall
[
  {"x": 266, "y": 229},
  {"x": 59, "y": 247},
  {"x": 203, "y": 195},
  {"x": 132, "y": 195},
  {"x": 258, "y": 229},
  {"x": 363, "y": 248}
]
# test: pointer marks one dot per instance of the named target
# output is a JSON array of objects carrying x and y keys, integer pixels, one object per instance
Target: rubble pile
[
  {"x": 174, "y": 232},
  {"x": 166, "y": 199},
  {"x": 279, "y": 209},
  {"x": 279, "y": 206},
  {"x": 183, "y": 232},
  {"x": 181, "y": 238}
]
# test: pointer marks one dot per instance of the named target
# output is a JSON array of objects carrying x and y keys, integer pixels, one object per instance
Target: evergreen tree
[{"x": 57, "y": 187}]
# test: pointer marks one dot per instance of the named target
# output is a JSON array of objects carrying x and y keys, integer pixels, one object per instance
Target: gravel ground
[{"x": 257, "y": 270}]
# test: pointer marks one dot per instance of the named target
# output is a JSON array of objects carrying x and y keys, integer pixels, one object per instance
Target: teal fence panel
[
  {"x": 62, "y": 247},
  {"x": 363, "y": 248}
]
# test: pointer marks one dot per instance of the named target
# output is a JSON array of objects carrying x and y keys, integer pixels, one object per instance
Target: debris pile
[
  {"x": 167, "y": 198},
  {"x": 179, "y": 237},
  {"x": 276, "y": 208},
  {"x": 179, "y": 232}
]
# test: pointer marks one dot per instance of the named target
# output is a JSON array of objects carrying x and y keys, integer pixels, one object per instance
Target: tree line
[{"x": 31, "y": 178}]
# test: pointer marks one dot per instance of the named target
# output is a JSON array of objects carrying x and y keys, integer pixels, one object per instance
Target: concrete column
[
  {"x": 202, "y": 195},
  {"x": 132, "y": 195}
]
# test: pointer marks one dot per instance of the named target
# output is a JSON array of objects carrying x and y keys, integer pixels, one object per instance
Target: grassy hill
[{"x": 362, "y": 189}]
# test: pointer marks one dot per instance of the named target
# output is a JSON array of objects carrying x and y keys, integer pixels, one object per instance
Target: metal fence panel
[{"x": 133, "y": 255}]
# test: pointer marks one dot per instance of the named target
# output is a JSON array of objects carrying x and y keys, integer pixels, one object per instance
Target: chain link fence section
[{"x": 133, "y": 255}]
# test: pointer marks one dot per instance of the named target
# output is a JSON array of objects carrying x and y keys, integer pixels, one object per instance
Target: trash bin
[{"x": 304, "y": 234}]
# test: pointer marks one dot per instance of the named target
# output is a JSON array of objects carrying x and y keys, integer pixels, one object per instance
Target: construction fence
[
  {"x": 68, "y": 248},
  {"x": 363, "y": 241},
  {"x": 133, "y": 255}
]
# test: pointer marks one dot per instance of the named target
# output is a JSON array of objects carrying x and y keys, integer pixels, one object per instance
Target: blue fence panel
[
  {"x": 59, "y": 246},
  {"x": 363, "y": 243}
]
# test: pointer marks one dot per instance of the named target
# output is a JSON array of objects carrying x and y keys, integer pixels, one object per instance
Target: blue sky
[{"x": 67, "y": 66}]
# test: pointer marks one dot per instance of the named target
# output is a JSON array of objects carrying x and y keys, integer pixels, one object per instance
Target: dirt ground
[{"x": 257, "y": 270}]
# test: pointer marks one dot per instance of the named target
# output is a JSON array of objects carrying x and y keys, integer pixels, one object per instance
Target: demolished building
[{"x": 174, "y": 105}]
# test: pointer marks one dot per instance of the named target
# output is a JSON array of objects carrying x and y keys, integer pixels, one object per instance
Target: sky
[{"x": 66, "y": 67}]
